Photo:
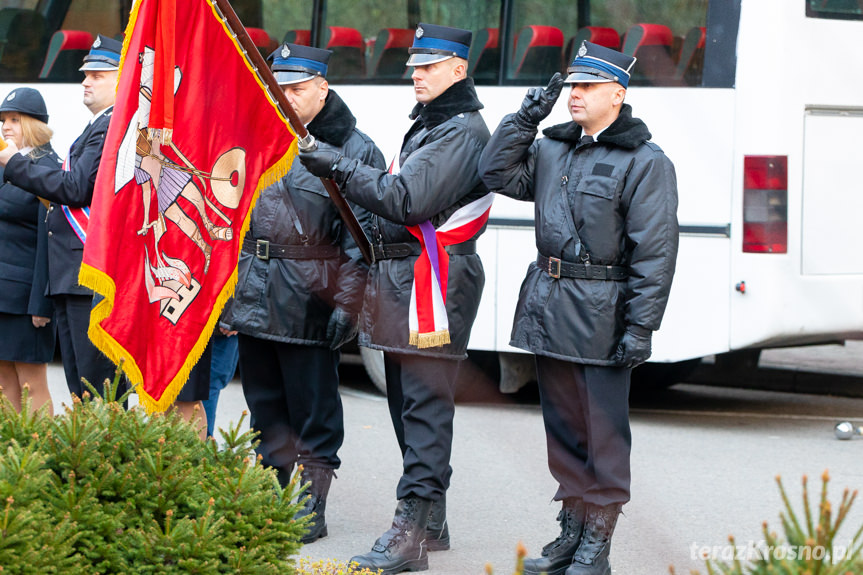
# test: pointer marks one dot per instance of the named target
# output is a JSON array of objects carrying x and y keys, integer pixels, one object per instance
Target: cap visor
[
  {"x": 586, "y": 78},
  {"x": 104, "y": 66},
  {"x": 426, "y": 59},
  {"x": 284, "y": 78}
]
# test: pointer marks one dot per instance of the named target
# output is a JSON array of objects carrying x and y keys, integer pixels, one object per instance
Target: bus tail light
[{"x": 765, "y": 204}]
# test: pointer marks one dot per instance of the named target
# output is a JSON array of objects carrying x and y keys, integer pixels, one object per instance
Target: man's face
[
  {"x": 433, "y": 80},
  {"x": 99, "y": 89},
  {"x": 307, "y": 98},
  {"x": 594, "y": 106}
]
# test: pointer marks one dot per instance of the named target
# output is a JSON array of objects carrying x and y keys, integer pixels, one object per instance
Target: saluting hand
[
  {"x": 10, "y": 150},
  {"x": 538, "y": 102}
]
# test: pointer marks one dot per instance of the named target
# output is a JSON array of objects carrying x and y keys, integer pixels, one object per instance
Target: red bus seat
[
  {"x": 348, "y": 60},
  {"x": 600, "y": 35},
  {"x": 690, "y": 64},
  {"x": 262, "y": 40},
  {"x": 301, "y": 37},
  {"x": 387, "y": 60},
  {"x": 484, "y": 59},
  {"x": 651, "y": 44},
  {"x": 537, "y": 54},
  {"x": 66, "y": 52}
]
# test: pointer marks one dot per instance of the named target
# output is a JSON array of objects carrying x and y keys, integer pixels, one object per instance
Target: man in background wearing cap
[
  {"x": 70, "y": 190},
  {"x": 299, "y": 293},
  {"x": 432, "y": 183},
  {"x": 606, "y": 232}
]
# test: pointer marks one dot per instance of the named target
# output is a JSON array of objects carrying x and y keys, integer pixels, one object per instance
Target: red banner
[{"x": 175, "y": 190}]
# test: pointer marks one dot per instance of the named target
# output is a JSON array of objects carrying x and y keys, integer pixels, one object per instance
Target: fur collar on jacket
[
  {"x": 457, "y": 99},
  {"x": 334, "y": 123},
  {"x": 624, "y": 132}
]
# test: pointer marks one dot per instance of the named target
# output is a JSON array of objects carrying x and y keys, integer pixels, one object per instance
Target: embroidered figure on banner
[{"x": 171, "y": 281}]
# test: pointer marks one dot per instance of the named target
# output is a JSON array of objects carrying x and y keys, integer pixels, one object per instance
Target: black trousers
[
  {"x": 420, "y": 394},
  {"x": 293, "y": 396},
  {"x": 80, "y": 357},
  {"x": 585, "y": 410}
]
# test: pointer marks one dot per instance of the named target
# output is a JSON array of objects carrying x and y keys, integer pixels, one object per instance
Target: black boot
[
  {"x": 557, "y": 555},
  {"x": 402, "y": 547},
  {"x": 591, "y": 557},
  {"x": 316, "y": 502},
  {"x": 437, "y": 530}
]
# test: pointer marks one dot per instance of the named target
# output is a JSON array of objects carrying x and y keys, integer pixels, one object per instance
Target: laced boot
[
  {"x": 437, "y": 530},
  {"x": 316, "y": 502},
  {"x": 591, "y": 557},
  {"x": 557, "y": 555},
  {"x": 402, "y": 547}
]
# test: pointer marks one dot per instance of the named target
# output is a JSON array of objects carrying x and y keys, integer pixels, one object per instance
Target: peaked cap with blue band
[
  {"x": 103, "y": 55},
  {"x": 433, "y": 44},
  {"x": 294, "y": 63},
  {"x": 594, "y": 63}
]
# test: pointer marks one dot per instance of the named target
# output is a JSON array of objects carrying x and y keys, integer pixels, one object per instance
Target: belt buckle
[
  {"x": 554, "y": 268},
  {"x": 262, "y": 249}
]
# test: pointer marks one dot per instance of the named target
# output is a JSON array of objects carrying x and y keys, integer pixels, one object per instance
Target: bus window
[
  {"x": 95, "y": 16},
  {"x": 835, "y": 9},
  {"x": 285, "y": 20},
  {"x": 387, "y": 28},
  {"x": 668, "y": 37}
]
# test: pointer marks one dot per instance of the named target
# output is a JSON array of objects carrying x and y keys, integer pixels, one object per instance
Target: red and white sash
[
  {"x": 78, "y": 218},
  {"x": 428, "y": 322}
]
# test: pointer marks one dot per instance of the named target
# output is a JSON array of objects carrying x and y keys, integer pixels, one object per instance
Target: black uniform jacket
[
  {"x": 438, "y": 175},
  {"x": 620, "y": 193},
  {"x": 23, "y": 249},
  {"x": 73, "y": 188},
  {"x": 290, "y": 300}
]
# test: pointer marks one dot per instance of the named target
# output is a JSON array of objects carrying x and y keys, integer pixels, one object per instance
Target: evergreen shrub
[{"x": 98, "y": 489}]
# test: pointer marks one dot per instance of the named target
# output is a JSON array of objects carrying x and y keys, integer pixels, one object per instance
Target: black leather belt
[
  {"x": 558, "y": 268},
  {"x": 403, "y": 250},
  {"x": 265, "y": 250}
]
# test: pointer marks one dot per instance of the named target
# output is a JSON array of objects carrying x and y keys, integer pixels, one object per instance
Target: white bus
[{"x": 759, "y": 104}]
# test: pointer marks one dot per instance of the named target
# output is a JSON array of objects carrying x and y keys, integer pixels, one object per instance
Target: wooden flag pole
[{"x": 306, "y": 141}]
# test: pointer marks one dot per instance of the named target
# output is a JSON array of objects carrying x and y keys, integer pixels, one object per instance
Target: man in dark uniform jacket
[
  {"x": 299, "y": 292},
  {"x": 70, "y": 190},
  {"x": 433, "y": 191},
  {"x": 607, "y": 234}
]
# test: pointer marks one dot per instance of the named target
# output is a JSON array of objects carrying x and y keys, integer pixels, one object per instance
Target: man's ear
[
  {"x": 619, "y": 95},
  {"x": 325, "y": 89},
  {"x": 459, "y": 70}
]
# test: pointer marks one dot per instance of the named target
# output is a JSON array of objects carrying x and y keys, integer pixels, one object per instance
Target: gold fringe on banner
[{"x": 432, "y": 339}]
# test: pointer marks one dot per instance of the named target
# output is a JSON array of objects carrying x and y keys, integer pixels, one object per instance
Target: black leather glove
[
  {"x": 342, "y": 327},
  {"x": 538, "y": 102},
  {"x": 634, "y": 346},
  {"x": 321, "y": 162}
]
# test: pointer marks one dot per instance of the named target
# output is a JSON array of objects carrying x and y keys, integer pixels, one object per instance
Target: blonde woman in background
[{"x": 26, "y": 332}]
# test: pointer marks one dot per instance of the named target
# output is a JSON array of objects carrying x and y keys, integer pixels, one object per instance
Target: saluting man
[
  {"x": 299, "y": 292},
  {"x": 429, "y": 209},
  {"x": 70, "y": 190},
  {"x": 606, "y": 231}
]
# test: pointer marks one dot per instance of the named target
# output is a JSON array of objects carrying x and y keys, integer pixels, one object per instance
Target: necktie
[{"x": 585, "y": 140}]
